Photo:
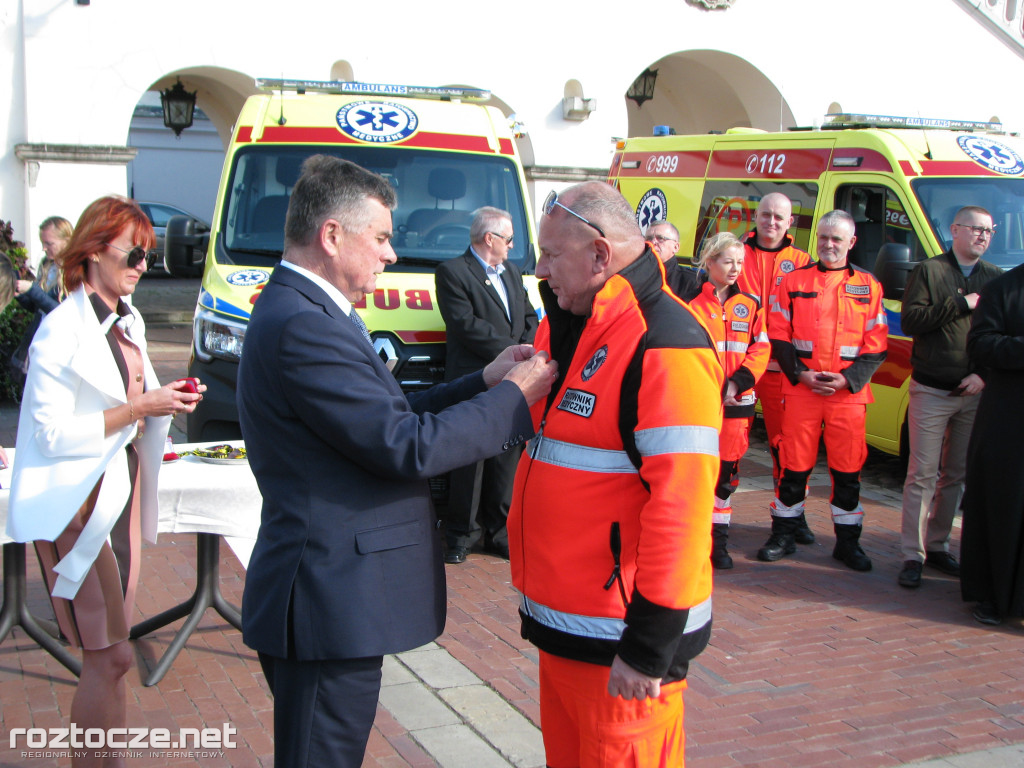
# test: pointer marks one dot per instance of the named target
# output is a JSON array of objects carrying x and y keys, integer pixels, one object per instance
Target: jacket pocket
[{"x": 389, "y": 537}]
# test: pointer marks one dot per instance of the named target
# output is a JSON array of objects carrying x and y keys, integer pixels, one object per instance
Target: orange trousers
[
  {"x": 769, "y": 394},
  {"x": 584, "y": 727},
  {"x": 844, "y": 423}
]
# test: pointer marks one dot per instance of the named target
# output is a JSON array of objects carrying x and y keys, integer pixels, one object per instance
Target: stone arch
[{"x": 699, "y": 91}]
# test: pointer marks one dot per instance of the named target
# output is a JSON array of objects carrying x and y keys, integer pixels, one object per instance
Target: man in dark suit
[
  {"x": 347, "y": 564},
  {"x": 485, "y": 309},
  {"x": 664, "y": 239}
]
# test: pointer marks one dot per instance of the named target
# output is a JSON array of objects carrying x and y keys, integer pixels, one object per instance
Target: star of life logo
[
  {"x": 991, "y": 154},
  {"x": 247, "y": 278},
  {"x": 653, "y": 207},
  {"x": 740, "y": 310},
  {"x": 377, "y": 122}
]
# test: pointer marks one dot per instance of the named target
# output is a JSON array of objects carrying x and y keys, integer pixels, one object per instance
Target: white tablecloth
[{"x": 195, "y": 497}]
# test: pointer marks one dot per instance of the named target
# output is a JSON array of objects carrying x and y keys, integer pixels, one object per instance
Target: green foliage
[{"x": 13, "y": 320}]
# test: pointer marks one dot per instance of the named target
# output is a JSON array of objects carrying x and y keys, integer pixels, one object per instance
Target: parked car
[{"x": 159, "y": 214}]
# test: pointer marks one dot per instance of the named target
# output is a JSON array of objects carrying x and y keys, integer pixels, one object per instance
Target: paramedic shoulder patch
[{"x": 579, "y": 402}]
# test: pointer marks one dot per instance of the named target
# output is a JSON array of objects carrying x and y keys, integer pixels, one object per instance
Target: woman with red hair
[{"x": 90, "y": 441}]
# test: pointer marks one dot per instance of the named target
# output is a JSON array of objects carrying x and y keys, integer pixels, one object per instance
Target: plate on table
[{"x": 221, "y": 454}]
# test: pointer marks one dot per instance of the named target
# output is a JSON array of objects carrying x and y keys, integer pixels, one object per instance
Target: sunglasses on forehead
[
  {"x": 552, "y": 201},
  {"x": 135, "y": 255}
]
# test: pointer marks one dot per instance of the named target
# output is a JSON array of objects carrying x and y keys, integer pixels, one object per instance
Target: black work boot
[
  {"x": 848, "y": 548},
  {"x": 782, "y": 541},
  {"x": 720, "y": 559},
  {"x": 803, "y": 533}
]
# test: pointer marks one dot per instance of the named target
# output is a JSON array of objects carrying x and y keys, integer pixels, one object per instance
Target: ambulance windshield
[
  {"x": 437, "y": 194},
  {"x": 1003, "y": 198}
]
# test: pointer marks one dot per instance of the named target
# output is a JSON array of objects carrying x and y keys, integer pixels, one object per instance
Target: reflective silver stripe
[
  {"x": 574, "y": 624},
  {"x": 601, "y": 628},
  {"x": 803, "y": 345},
  {"x": 736, "y": 346},
  {"x": 720, "y": 346},
  {"x": 848, "y": 353},
  {"x": 573, "y": 456},
  {"x": 776, "y": 307},
  {"x": 762, "y": 337},
  {"x": 679, "y": 439},
  {"x": 880, "y": 319}
]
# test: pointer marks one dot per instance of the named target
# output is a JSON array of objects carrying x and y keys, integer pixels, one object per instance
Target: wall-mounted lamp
[
  {"x": 642, "y": 88},
  {"x": 577, "y": 108},
  {"x": 178, "y": 105}
]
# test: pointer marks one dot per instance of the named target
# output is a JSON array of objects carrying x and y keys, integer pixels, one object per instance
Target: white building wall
[{"x": 84, "y": 67}]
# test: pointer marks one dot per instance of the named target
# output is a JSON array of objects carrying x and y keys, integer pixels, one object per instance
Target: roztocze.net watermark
[{"x": 121, "y": 742}]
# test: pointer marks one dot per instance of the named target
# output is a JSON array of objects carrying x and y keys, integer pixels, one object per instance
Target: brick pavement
[{"x": 810, "y": 664}]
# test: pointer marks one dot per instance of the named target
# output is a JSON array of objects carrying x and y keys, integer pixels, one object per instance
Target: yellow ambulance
[
  {"x": 901, "y": 178},
  {"x": 444, "y": 151}
]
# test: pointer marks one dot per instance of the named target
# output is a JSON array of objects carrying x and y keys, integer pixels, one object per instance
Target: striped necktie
[{"x": 358, "y": 322}]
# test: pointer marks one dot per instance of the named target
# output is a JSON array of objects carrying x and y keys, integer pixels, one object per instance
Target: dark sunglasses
[
  {"x": 552, "y": 201},
  {"x": 135, "y": 255},
  {"x": 508, "y": 240}
]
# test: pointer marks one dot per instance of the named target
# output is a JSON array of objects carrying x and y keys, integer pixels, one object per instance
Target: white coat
[{"x": 61, "y": 447}]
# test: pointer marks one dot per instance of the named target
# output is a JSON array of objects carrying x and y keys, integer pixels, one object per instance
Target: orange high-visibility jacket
[
  {"x": 739, "y": 333},
  {"x": 830, "y": 320},
  {"x": 610, "y": 525}
]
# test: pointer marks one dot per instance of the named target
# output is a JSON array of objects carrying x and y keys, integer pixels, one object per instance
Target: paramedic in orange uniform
[
  {"x": 770, "y": 256},
  {"x": 736, "y": 323},
  {"x": 829, "y": 334},
  {"x": 610, "y": 526}
]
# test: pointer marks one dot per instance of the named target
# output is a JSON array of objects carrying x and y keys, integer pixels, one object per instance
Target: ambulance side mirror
[
  {"x": 892, "y": 267},
  {"x": 185, "y": 246}
]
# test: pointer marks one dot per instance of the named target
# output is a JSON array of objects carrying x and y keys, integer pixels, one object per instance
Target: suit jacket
[
  {"x": 348, "y": 562},
  {"x": 61, "y": 449},
  {"x": 475, "y": 322}
]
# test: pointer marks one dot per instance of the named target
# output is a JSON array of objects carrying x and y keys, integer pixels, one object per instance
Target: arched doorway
[{"x": 702, "y": 91}]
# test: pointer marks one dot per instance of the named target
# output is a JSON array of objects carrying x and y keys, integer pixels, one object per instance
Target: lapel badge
[{"x": 594, "y": 363}]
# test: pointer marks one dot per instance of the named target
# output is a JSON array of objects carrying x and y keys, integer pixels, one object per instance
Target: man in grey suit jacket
[
  {"x": 485, "y": 309},
  {"x": 347, "y": 564}
]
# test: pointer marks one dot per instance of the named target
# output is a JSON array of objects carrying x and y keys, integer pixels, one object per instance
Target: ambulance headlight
[{"x": 217, "y": 337}]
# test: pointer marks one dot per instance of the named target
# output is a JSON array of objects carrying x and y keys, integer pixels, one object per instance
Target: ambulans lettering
[
  {"x": 991, "y": 154},
  {"x": 377, "y": 122},
  {"x": 579, "y": 402},
  {"x": 418, "y": 298},
  {"x": 595, "y": 362}
]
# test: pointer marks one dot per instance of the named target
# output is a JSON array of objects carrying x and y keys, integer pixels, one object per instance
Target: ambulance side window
[
  {"x": 729, "y": 206},
  {"x": 880, "y": 218}
]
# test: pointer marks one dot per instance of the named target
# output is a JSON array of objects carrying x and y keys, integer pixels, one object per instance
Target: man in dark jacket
[
  {"x": 485, "y": 309},
  {"x": 664, "y": 240},
  {"x": 940, "y": 296}
]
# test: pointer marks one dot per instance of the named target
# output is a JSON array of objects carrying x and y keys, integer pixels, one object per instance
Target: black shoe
[
  {"x": 501, "y": 550},
  {"x": 910, "y": 576},
  {"x": 778, "y": 546},
  {"x": 943, "y": 561},
  {"x": 847, "y": 549},
  {"x": 986, "y": 613},
  {"x": 720, "y": 559},
  {"x": 456, "y": 555},
  {"x": 803, "y": 534}
]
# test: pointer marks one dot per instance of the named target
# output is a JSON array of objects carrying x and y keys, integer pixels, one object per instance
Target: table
[
  {"x": 14, "y": 612},
  {"x": 210, "y": 500}
]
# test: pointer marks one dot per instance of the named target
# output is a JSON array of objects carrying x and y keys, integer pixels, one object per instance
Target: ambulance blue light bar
[
  {"x": 373, "y": 89},
  {"x": 850, "y": 120}
]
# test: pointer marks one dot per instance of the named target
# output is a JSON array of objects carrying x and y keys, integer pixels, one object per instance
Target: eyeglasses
[
  {"x": 552, "y": 201},
  {"x": 663, "y": 239},
  {"x": 135, "y": 255},
  {"x": 979, "y": 231},
  {"x": 508, "y": 240}
]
